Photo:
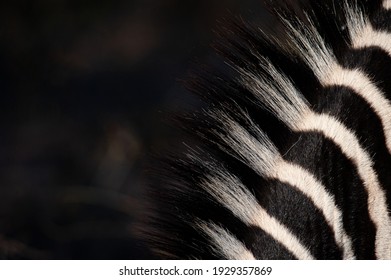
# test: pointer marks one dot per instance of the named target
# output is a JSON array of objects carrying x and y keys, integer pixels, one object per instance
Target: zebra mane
[{"x": 290, "y": 156}]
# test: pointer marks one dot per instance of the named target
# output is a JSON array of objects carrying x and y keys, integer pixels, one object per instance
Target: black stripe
[
  {"x": 298, "y": 213},
  {"x": 265, "y": 247},
  {"x": 381, "y": 20},
  {"x": 374, "y": 62}
]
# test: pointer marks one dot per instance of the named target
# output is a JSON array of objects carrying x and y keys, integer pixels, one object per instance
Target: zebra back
[{"x": 292, "y": 159}]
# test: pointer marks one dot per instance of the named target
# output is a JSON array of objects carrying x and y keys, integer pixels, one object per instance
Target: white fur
[
  {"x": 363, "y": 35},
  {"x": 228, "y": 189},
  {"x": 387, "y": 4},
  {"x": 309, "y": 45},
  {"x": 258, "y": 152},
  {"x": 275, "y": 92},
  {"x": 225, "y": 243}
]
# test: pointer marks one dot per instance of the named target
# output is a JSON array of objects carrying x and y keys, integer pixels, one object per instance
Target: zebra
[{"x": 291, "y": 156}]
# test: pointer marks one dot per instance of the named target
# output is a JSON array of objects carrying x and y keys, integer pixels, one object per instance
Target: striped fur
[{"x": 291, "y": 156}]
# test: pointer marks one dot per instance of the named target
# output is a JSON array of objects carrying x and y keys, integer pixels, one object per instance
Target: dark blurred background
[{"x": 84, "y": 85}]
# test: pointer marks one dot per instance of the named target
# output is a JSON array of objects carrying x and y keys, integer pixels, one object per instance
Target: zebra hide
[{"x": 291, "y": 156}]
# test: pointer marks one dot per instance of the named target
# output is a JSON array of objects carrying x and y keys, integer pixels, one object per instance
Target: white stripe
[
  {"x": 387, "y": 4},
  {"x": 362, "y": 85},
  {"x": 230, "y": 191},
  {"x": 347, "y": 141},
  {"x": 312, "y": 188},
  {"x": 225, "y": 243},
  {"x": 261, "y": 155},
  {"x": 361, "y": 31},
  {"x": 368, "y": 37}
]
